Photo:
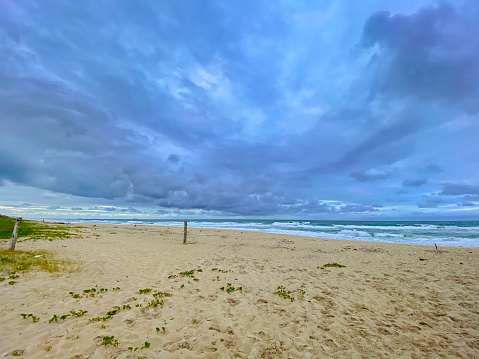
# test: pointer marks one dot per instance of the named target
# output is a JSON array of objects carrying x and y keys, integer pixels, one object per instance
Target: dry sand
[{"x": 386, "y": 302}]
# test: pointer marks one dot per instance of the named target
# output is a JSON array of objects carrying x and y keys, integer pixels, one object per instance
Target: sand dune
[{"x": 277, "y": 299}]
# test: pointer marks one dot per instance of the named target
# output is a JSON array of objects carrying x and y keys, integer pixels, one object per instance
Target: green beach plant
[
  {"x": 221, "y": 270},
  {"x": 158, "y": 294},
  {"x": 332, "y": 265},
  {"x": 282, "y": 292},
  {"x": 34, "y": 318},
  {"x": 74, "y": 295},
  {"x": 229, "y": 288},
  {"x": 108, "y": 315},
  {"x": 189, "y": 273},
  {"x": 13, "y": 275},
  {"x": 155, "y": 303},
  {"x": 110, "y": 340},
  {"x": 80, "y": 313}
]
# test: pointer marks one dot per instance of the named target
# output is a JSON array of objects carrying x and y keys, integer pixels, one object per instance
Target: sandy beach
[{"x": 234, "y": 294}]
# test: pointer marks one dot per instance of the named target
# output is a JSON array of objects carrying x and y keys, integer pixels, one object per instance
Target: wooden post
[
  {"x": 185, "y": 232},
  {"x": 13, "y": 240}
]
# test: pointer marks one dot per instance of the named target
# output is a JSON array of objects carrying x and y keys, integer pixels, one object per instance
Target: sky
[{"x": 335, "y": 110}]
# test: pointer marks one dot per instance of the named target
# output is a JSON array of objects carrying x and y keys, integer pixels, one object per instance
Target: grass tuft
[
  {"x": 23, "y": 261},
  {"x": 333, "y": 265}
]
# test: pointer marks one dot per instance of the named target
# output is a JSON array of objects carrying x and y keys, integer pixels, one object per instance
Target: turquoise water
[{"x": 444, "y": 233}]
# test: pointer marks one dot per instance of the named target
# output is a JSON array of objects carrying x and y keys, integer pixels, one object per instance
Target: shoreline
[
  {"x": 389, "y": 299},
  {"x": 146, "y": 226}
]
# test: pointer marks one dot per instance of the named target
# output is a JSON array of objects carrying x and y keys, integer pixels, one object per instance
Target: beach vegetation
[
  {"x": 144, "y": 346},
  {"x": 282, "y": 292},
  {"x": 74, "y": 295},
  {"x": 126, "y": 307},
  {"x": 33, "y": 317},
  {"x": 12, "y": 282},
  {"x": 36, "y": 230},
  {"x": 110, "y": 340},
  {"x": 145, "y": 291},
  {"x": 55, "y": 318},
  {"x": 221, "y": 270},
  {"x": 108, "y": 315},
  {"x": 158, "y": 294},
  {"x": 23, "y": 261},
  {"x": 114, "y": 311},
  {"x": 229, "y": 288},
  {"x": 155, "y": 303},
  {"x": 189, "y": 273},
  {"x": 13, "y": 275},
  {"x": 332, "y": 265},
  {"x": 80, "y": 313}
]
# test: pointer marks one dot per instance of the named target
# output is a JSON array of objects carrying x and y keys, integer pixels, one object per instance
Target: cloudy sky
[{"x": 364, "y": 109}]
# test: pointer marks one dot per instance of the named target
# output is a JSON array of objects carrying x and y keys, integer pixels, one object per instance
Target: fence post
[
  {"x": 185, "y": 232},
  {"x": 13, "y": 240}
]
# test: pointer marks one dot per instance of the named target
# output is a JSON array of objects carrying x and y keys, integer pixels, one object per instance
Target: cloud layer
[{"x": 327, "y": 111}]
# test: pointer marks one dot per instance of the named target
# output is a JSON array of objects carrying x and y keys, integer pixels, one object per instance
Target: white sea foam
[{"x": 443, "y": 234}]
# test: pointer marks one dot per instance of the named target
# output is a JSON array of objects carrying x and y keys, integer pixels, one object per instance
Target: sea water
[{"x": 445, "y": 233}]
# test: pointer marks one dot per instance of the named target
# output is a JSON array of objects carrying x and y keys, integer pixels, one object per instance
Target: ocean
[{"x": 443, "y": 233}]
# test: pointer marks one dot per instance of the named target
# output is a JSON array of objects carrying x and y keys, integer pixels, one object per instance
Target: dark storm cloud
[
  {"x": 243, "y": 109},
  {"x": 433, "y": 168},
  {"x": 430, "y": 54},
  {"x": 457, "y": 189},
  {"x": 432, "y": 203},
  {"x": 368, "y": 177},
  {"x": 357, "y": 208},
  {"x": 466, "y": 204},
  {"x": 414, "y": 183}
]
